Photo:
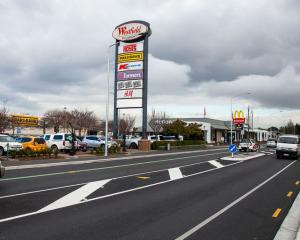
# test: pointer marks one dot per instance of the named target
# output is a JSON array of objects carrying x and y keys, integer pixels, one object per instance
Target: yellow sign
[
  {"x": 239, "y": 114},
  {"x": 130, "y": 57},
  {"x": 24, "y": 120}
]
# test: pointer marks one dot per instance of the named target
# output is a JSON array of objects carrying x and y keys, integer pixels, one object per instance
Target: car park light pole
[
  {"x": 107, "y": 100},
  {"x": 231, "y": 113}
]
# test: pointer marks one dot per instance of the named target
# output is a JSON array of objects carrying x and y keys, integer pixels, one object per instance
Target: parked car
[
  {"x": 8, "y": 143},
  {"x": 272, "y": 142},
  {"x": 248, "y": 145},
  {"x": 94, "y": 141},
  {"x": 82, "y": 146},
  {"x": 288, "y": 146},
  {"x": 32, "y": 143},
  {"x": 132, "y": 142},
  {"x": 59, "y": 141}
]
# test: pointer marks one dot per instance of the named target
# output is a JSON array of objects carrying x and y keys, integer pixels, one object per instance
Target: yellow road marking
[
  {"x": 297, "y": 183},
  {"x": 276, "y": 213},
  {"x": 289, "y": 194},
  {"x": 144, "y": 178},
  {"x": 72, "y": 172}
]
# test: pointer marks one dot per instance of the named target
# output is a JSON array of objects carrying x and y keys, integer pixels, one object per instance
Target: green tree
[
  {"x": 194, "y": 132},
  {"x": 175, "y": 128}
]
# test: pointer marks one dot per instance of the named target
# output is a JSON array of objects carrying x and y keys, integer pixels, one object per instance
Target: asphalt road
[{"x": 182, "y": 196}]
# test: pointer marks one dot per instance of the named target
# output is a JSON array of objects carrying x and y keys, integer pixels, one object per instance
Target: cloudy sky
[{"x": 202, "y": 53}]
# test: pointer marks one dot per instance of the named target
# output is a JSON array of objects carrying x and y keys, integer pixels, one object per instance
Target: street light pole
[{"x": 107, "y": 101}]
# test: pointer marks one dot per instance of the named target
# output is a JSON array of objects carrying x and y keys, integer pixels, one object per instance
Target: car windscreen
[
  {"x": 289, "y": 140},
  {"x": 23, "y": 140},
  {"x": 39, "y": 140},
  {"x": 6, "y": 139}
]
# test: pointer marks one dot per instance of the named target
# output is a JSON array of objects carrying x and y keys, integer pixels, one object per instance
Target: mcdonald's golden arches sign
[{"x": 238, "y": 117}]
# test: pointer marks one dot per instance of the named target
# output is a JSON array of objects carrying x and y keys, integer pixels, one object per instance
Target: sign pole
[{"x": 145, "y": 89}]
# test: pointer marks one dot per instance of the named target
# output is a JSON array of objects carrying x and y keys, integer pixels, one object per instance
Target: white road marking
[
  {"x": 216, "y": 164},
  {"x": 43, "y": 165},
  {"x": 104, "y": 168},
  {"x": 217, "y": 214},
  {"x": 175, "y": 173},
  {"x": 76, "y": 196},
  {"x": 117, "y": 193},
  {"x": 73, "y": 185}
]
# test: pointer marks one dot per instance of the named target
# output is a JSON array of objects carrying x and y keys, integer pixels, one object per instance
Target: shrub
[{"x": 162, "y": 144}]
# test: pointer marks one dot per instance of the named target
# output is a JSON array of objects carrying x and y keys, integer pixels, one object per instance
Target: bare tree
[
  {"x": 4, "y": 119},
  {"x": 157, "y": 120},
  {"x": 126, "y": 124}
]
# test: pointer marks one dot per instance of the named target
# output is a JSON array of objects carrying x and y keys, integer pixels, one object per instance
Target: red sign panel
[
  {"x": 238, "y": 120},
  {"x": 129, "y": 48}
]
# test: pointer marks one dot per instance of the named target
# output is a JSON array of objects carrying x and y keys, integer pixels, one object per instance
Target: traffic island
[{"x": 243, "y": 157}]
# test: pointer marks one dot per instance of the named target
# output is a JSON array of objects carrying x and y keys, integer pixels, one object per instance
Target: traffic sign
[{"x": 232, "y": 148}]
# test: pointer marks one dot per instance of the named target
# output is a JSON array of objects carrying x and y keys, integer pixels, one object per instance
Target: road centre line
[
  {"x": 116, "y": 194},
  {"x": 79, "y": 184},
  {"x": 217, "y": 214},
  {"x": 44, "y": 165},
  {"x": 104, "y": 168}
]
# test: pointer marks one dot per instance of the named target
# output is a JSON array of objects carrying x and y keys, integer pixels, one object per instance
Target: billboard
[
  {"x": 131, "y": 69},
  {"x": 24, "y": 120}
]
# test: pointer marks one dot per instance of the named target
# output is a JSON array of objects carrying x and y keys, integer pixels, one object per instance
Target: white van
[{"x": 288, "y": 146}]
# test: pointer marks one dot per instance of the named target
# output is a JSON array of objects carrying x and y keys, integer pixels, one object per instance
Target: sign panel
[
  {"x": 131, "y": 47},
  {"x": 121, "y": 85},
  {"x": 131, "y": 93},
  {"x": 24, "y": 120},
  {"x": 130, "y": 75},
  {"x": 130, "y": 66},
  {"x": 130, "y": 57},
  {"x": 238, "y": 117},
  {"x": 130, "y": 31},
  {"x": 133, "y": 103},
  {"x": 232, "y": 148}
]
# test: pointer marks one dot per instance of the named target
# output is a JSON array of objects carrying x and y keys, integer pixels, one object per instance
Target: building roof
[{"x": 215, "y": 123}]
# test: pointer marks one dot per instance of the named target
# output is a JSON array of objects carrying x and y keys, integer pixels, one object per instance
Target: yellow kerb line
[
  {"x": 289, "y": 194},
  {"x": 276, "y": 213}
]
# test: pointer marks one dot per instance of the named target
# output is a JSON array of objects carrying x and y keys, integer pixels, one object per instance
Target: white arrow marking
[
  {"x": 76, "y": 196},
  {"x": 216, "y": 164},
  {"x": 175, "y": 173}
]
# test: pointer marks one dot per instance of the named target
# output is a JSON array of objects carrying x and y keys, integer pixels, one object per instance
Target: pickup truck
[{"x": 248, "y": 145}]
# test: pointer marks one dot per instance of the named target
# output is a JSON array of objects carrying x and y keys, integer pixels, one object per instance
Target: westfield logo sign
[{"x": 130, "y": 31}]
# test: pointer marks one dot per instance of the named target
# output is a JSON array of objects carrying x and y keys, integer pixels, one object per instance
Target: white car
[
  {"x": 248, "y": 145},
  {"x": 288, "y": 146},
  {"x": 271, "y": 142},
  {"x": 8, "y": 143},
  {"x": 93, "y": 141},
  {"x": 59, "y": 141}
]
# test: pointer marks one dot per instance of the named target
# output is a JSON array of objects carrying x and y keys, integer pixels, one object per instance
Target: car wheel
[
  {"x": 102, "y": 147},
  {"x": 54, "y": 148},
  {"x": 1, "y": 151},
  {"x": 133, "y": 146}
]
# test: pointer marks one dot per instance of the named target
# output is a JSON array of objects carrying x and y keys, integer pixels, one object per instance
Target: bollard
[
  {"x": 168, "y": 147},
  {"x": 7, "y": 151}
]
